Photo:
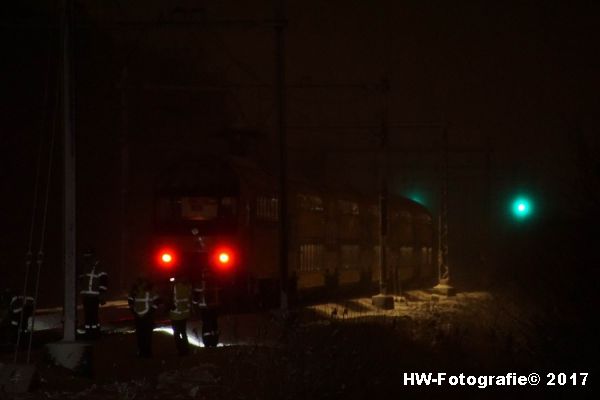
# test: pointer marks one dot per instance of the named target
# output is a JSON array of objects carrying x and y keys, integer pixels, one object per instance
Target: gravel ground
[{"x": 336, "y": 350}]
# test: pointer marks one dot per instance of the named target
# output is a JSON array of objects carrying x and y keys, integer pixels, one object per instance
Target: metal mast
[
  {"x": 443, "y": 287},
  {"x": 383, "y": 192},
  {"x": 383, "y": 299},
  {"x": 280, "y": 101},
  {"x": 69, "y": 182}
]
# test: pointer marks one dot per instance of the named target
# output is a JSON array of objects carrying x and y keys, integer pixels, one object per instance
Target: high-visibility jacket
[
  {"x": 207, "y": 294},
  {"x": 199, "y": 297},
  {"x": 18, "y": 305},
  {"x": 94, "y": 282},
  {"x": 142, "y": 301},
  {"x": 180, "y": 296}
]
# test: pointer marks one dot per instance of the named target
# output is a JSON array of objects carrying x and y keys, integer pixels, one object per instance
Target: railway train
[{"x": 217, "y": 222}]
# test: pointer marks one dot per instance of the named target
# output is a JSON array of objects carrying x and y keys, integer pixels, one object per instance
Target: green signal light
[{"x": 522, "y": 208}]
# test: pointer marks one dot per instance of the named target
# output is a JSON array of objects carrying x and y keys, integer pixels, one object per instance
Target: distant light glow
[
  {"x": 417, "y": 199},
  {"x": 224, "y": 258},
  {"x": 166, "y": 257},
  {"x": 417, "y": 195},
  {"x": 522, "y": 207}
]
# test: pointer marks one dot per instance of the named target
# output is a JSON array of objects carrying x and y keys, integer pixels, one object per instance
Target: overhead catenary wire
[
  {"x": 29, "y": 254},
  {"x": 40, "y": 254}
]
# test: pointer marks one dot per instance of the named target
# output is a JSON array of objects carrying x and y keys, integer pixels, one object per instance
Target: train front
[{"x": 196, "y": 236}]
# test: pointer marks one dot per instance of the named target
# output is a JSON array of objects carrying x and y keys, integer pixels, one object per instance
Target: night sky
[{"x": 519, "y": 77}]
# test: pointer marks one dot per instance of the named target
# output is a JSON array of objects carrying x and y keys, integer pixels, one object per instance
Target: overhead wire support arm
[{"x": 122, "y": 25}]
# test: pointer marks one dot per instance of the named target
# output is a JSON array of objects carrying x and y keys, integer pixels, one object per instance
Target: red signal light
[
  {"x": 166, "y": 258},
  {"x": 223, "y": 258}
]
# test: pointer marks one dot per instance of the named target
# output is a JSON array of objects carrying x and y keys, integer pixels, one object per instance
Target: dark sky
[{"x": 523, "y": 74}]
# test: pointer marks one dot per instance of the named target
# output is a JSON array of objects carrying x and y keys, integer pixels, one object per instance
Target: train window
[
  {"x": 311, "y": 257},
  {"x": 426, "y": 255},
  {"x": 267, "y": 208},
  {"x": 310, "y": 202},
  {"x": 406, "y": 251},
  {"x": 348, "y": 207},
  {"x": 403, "y": 215},
  {"x": 199, "y": 208}
]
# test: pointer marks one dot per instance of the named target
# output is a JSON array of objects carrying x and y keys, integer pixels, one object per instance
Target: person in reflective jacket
[
  {"x": 179, "y": 312},
  {"x": 93, "y": 283},
  {"x": 206, "y": 307},
  {"x": 21, "y": 309},
  {"x": 143, "y": 302}
]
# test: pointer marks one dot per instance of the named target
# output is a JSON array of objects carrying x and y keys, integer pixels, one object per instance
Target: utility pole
[
  {"x": 383, "y": 300},
  {"x": 383, "y": 192},
  {"x": 485, "y": 258},
  {"x": 69, "y": 353},
  {"x": 70, "y": 305},
  {"x": 280, "y": 102},
  {"x": 124, "y": 144},
  {"x": 443, "y": 287}
]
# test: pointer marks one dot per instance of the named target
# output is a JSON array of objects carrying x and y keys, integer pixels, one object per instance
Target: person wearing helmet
[
  {"x": 93, "y": 283},
  {"x": 143, "y": 302}
]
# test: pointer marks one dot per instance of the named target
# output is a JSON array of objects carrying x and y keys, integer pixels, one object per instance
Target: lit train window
[
  {"x": 311, "y": 257},
  {"x": 348, "y": 207},
  {"x": 423, "y": 219},
  {"x": 426, "y": 255},
  {"x": 199, "y": 208},
  {"x": 310, "y": 202},
  {"x": 267, "y": 208},
  {"x": 406, "y": 251},
  {"x": 403, "y": 215}
]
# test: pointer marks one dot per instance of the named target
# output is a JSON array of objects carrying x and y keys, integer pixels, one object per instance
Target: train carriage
[
  {"x": 218, "y": 221},
  {"x": 410, "y": 242}
]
